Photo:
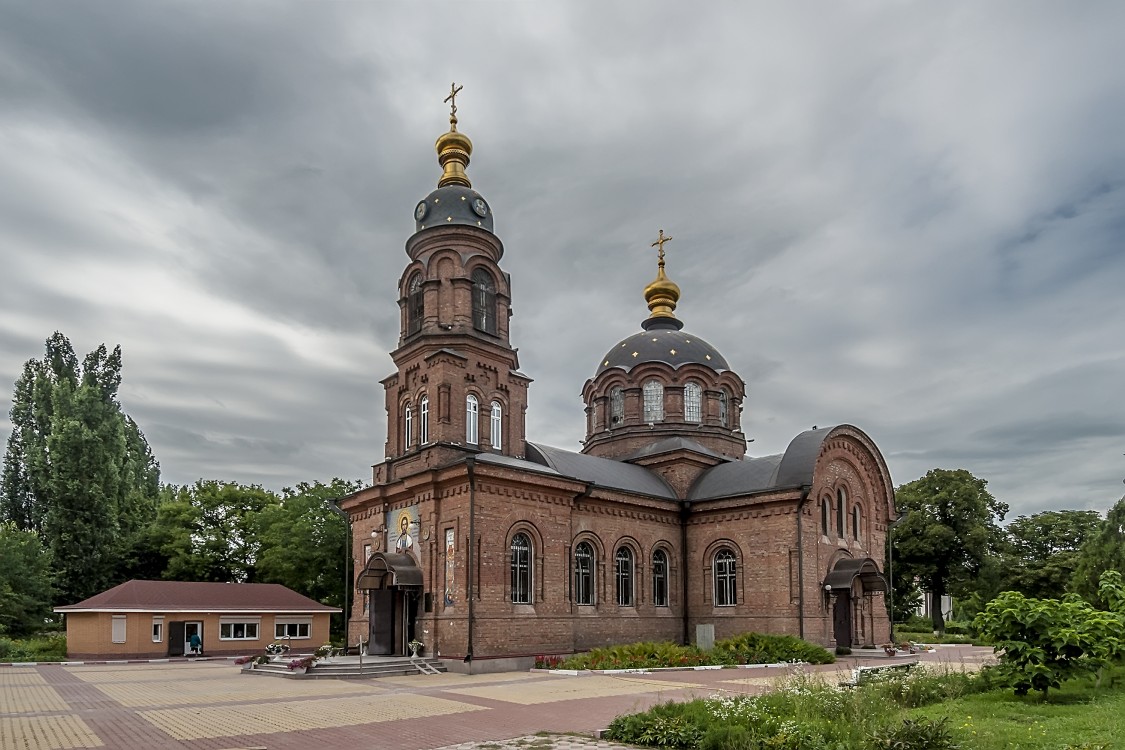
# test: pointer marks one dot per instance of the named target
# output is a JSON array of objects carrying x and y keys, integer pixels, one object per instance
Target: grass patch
[
  {"x": 1076, "y": 716},
  {"x": 39, "y": 648},
  {"x": 804, "y": 713}
]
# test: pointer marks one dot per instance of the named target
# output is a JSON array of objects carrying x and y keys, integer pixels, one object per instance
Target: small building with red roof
[{"x": 155, "y": 619}]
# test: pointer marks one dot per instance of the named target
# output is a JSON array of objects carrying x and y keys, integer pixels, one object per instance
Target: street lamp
[
  {"x": 891, "y": 573},
  {"x": 347, "y": 559}
]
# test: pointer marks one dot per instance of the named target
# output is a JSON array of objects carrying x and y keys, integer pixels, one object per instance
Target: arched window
[
  {"x": 725, "y": 592},
  {"x": 424, "y": 420},
  {"x": 415, "y": 305},
  {"x": 484, "y": 301},
  {"x": 623, "y": 565},
  {"x": 407, "y": 426},
  {"x": 693, "y": 403},
  {"x": 616, "y": 407},
  {"x": 841, "y": 511},
  {"x": 584, "y": 574},
  {"x": 660, "y": 578},
  {"x": 724, "y": 399},
  {"x": 654, "y": 401},
  {"x": 472, "y": 419},
  {"x": 825, "y": 509},
  {"x": 496, "y": 425},
  {"x": 856, "y": 522},
  {"x": 521, "y": 569}
]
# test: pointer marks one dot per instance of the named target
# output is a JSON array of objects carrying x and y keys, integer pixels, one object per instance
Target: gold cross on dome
[
  {"x": 454, "y": 89},
  {"x": 659, "y": 245}
]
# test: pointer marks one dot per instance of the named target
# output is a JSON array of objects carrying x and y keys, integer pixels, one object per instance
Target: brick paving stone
[{"x": 213, "y": 706}]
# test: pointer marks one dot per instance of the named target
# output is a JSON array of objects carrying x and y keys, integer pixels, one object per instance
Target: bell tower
[{"x": 457, "y": 388}]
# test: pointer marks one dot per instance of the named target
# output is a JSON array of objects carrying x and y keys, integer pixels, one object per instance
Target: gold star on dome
[
  {"x": 673, "y": 352},
  {"x": 606, "y": 363},
  {"x": 708, "y": 356},
  {"x": 634, "y": 354}
]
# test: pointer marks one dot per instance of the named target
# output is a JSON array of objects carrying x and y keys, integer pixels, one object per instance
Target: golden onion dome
[{"x": 662, "y": 294}]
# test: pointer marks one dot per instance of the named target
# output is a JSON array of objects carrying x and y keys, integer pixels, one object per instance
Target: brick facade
[{"x": 762, "y": 542}]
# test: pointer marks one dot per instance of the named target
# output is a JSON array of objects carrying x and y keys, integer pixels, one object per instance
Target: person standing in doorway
[{"x": 196, "y": 644}]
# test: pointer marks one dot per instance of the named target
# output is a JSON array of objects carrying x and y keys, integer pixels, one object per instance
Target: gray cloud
[{"x": 907, "y": 218}]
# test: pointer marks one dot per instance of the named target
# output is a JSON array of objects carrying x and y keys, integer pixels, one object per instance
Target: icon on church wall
[
  {"x": 402, "y": 526},
  {"x": 449, "y": 560}
]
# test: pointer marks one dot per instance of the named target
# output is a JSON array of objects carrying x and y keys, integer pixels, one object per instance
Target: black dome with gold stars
[
  {"x": 453, "y": 204},
  {"x": 663, "y": 341}
]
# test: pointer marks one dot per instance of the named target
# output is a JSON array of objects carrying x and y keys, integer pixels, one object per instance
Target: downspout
[
  {"x": 805, "y": 490},
  {"x": 685, "y": 511},
  {"x": 470, "y": 464}
]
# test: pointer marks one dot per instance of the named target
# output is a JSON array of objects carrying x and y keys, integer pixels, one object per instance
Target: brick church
[{"x": 490, "y": 549}]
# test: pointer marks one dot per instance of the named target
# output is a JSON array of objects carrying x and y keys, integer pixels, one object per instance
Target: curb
[{"x": 650, "y": 670}]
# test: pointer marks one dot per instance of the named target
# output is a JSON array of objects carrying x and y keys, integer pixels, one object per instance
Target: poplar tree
[{"x": 77, "y": 470}]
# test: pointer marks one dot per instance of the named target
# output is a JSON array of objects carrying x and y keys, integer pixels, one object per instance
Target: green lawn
[{"x": 1075, "y": 716}]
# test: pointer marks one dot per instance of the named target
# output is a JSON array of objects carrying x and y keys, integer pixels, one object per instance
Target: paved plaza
[{"x": 212, "y": 705}]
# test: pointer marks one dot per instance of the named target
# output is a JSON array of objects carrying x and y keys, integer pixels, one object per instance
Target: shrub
[
  {"x": 920, "y": 734},
  {"x": 757, "y": 648},
  {"x": 638, "y": 656},
  {"x": 677, "y": 725},
  {"x": 728, "y": 737},
  {"x": 50, "y": 647},
  {"x": 548, "y": 662},
  {"x": 843, "y": 651}
]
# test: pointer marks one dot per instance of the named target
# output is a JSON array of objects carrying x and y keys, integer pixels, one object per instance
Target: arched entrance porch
[
  {"x": 852, "y": 585},
  {"x": 393, "y": 584}
]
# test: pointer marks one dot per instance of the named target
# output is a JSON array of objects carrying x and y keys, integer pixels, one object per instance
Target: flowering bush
[
  {"x": 548, "y": 662},
  {"x": 302, "y": 663},
  {"x": 244, "y": 660}
]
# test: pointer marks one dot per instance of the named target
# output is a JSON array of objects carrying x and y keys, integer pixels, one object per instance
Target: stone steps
[{"x": 348, "y": 668}]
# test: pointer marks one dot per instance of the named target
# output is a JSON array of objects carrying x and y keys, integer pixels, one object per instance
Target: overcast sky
[{"x": 905, "y": 216}]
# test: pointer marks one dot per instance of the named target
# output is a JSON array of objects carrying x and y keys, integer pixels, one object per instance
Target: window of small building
[
  {"x": 653, "y": 401},
  {"x": 623, "y": 566},
  {"x": 616, "y": 407},
  {"x": 521, "y": 569},
  {"x": 158, "y": 629},
  {"x": 856, "y": 522},
  {"x": 724, "y": 572},
  {"x": 496, "y": 425},
  {"x": 472, "y": 419},
  {"x": 660, "y": 578},
  {"x": 245, "y": 629},
  {"x": 424, "y": 420},
  {"x": 484, "y": 301},
  {"x": 583, "y": 573},
  {"x": 841, "y": 511},
  {"x": 407, "y": 426},
  {"x": 724, "y": 399},
  {"x": 415, "y": 305},
  {"x": 693, "y": 403},
  {"x": 292, "y": 627},
  {"x": 117, "y": 629}
]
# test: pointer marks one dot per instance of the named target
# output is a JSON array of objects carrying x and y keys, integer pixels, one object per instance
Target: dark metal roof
[
  {"x": 603, "y": 472},
  {"x": 848, "y": 569},
  {"x": 386, "y": 569},
  {"x": 668, "y": 445},
  {"x": 796, "y": 469},
  {"x": 736, "y": 478},
  {"x": 662, "y": 344},
  {"x": 452, "y": 204},
  {"x": 198, "y": 596}
]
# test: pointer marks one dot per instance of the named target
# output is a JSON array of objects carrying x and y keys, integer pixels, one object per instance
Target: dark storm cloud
[{"x": 906, "y": 218}]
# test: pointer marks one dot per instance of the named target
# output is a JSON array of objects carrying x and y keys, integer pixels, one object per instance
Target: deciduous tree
[
  {"x": 1103, "y": 551},
  {"x": 951, "y": 528},
  {"x": 1043, "y": 551},
  {"x": 25, "y": 581}
]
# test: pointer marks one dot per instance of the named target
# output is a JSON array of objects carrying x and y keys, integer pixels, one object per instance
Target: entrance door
[
  {"x": 190, "y": 629},
  {"x": 381, "y": 640},
  {"x": 842, "y": 618}
]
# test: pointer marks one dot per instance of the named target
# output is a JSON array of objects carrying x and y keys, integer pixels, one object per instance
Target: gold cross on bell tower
[
  {"x": 659, "y": 244},
  {"x": 454, "y": 89}
]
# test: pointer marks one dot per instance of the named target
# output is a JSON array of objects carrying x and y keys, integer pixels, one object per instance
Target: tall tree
[
  {"x": 304, "y": 542},
  {"x": 25, "y": 581},
  {"x": 1103, "y": 551},
  {"x": 211, "y": 531},
  {"x": 950, "y": 530},
  {"x": 76, "y": 468},
  {"x": 1043, "y": 551}
]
